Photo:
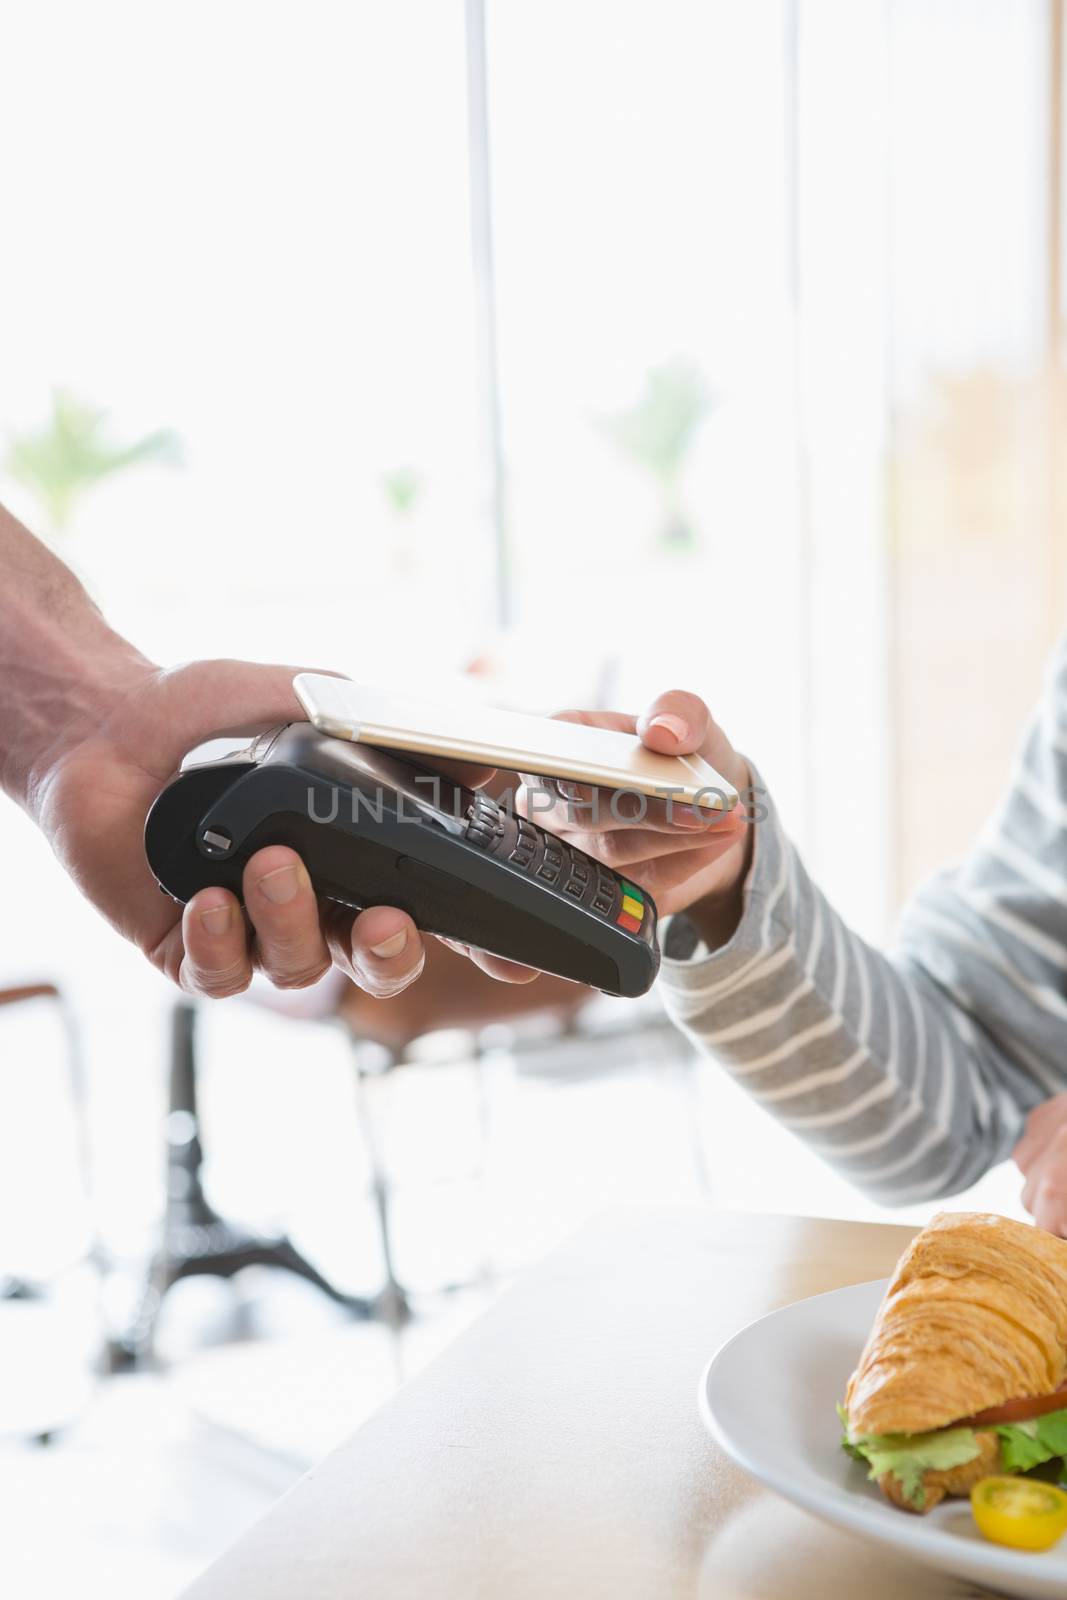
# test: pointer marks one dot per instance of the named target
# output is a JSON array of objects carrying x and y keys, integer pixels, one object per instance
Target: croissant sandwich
[{"x": 965, "y": 1370}]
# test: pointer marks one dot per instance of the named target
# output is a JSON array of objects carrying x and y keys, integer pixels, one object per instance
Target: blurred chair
[
  {"x": 195, "y": 1240},
  {"x": 452, "y": 993},
  {"x": 16, "y": 1289}
]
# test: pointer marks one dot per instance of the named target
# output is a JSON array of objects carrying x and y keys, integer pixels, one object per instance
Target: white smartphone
[{"x": 537, "y": 745}]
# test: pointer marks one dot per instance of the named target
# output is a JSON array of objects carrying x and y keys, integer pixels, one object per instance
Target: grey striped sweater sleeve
[{"x": 911, "y": 1073}]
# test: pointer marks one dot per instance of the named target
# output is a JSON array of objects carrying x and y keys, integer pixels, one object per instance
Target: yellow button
[{"x": 634, "y": 907}]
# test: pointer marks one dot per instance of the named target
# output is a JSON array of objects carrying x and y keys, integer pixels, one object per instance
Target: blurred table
[{"x": 555, "y": 1449}]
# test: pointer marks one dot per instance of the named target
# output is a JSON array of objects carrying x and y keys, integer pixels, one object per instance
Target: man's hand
[
  {"x": 92, "y": 790},
  {"x": 1041, "y": 1156},
  {"x": 92, "y": 732},
  {"x": 689, "y": 859}
]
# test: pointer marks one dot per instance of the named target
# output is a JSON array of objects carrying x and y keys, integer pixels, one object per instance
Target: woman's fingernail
[
  {"x": 392, "y": 946},
  {"x": 281, "y": 885},
  {"x": 673, "y": 725},
  {"x": 216, "y": 920}
]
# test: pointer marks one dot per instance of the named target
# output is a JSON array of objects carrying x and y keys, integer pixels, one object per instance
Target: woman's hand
[
  {"x": 1041, "y": 1156},
  {"x": 688, "y": 858}
]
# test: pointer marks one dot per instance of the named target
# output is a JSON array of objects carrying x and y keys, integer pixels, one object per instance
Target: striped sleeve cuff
[{"x": 691, "y": 975}]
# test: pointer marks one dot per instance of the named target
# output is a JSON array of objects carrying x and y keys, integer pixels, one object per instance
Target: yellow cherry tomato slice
[{"x": 1021, "y": 1512}]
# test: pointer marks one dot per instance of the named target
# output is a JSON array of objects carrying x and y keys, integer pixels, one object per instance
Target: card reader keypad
[
  {"x": 570, "y": 872},
  {"x": 485, "y": 823},
  {"x": 463, "y": 866},
  {"x": 525, "y": 846}
]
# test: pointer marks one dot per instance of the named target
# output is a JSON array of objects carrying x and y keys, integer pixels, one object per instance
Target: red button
[{"x": 631, "y": 924}]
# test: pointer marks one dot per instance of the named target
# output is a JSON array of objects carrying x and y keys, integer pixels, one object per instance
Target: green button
[{"x": 632, "y": 889}]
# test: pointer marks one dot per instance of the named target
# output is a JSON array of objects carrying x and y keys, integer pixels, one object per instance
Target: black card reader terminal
[{"x": 373, "y": 829}]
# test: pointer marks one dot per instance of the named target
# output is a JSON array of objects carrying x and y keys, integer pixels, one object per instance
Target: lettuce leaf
[
  {"x": 846, "y": 1441},
  {"x": 1024, "y": 1445},
  {"x": 909, "y": 1455},
  {"x": 1052, "y": 1431}
]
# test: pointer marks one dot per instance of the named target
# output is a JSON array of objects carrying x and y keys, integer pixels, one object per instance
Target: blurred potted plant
[
  {"x": 403, "y": 488},
  {"x": 657, "y": 434},
  {"x": 60, "y": 461}
]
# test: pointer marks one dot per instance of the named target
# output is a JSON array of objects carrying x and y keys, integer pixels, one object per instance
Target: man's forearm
[{"x": 61, "y": 666}]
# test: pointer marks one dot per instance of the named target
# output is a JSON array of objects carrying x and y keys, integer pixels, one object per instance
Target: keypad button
[
  {"x": 575, "y": 887},
  {"x": 485, "y": 813},
  {"x": 477, "y": 834},
  {"x": 636, "y": 908},
  {"x": 631, "y": 924},
  {"x": 548, "y": 871},
  {"x": 603, "y": 904}
]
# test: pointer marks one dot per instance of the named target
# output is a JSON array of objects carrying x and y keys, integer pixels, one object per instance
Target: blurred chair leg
[
  {"x": 374, "y": 1061},
  {"x": 483, "y": 1098},
  {"x": 97, "y": 1253},
  {"x": 686, "y": 1067},
  {"x": 393, "y": 1300},
  {"x": 19, "y": 1289}
]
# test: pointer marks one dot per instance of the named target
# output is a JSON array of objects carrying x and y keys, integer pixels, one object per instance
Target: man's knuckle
[
  {"x": 221, "y": 986},
  {"x": 387, "y": 988},
  {"x": 299, "y": 977}
]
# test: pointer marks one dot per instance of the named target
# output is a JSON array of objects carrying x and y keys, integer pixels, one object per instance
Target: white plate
[{"x": 768, "y": 1397}]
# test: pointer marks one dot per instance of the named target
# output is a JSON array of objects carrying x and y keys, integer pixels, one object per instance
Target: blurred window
[{"x": 697, "y": 344}]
